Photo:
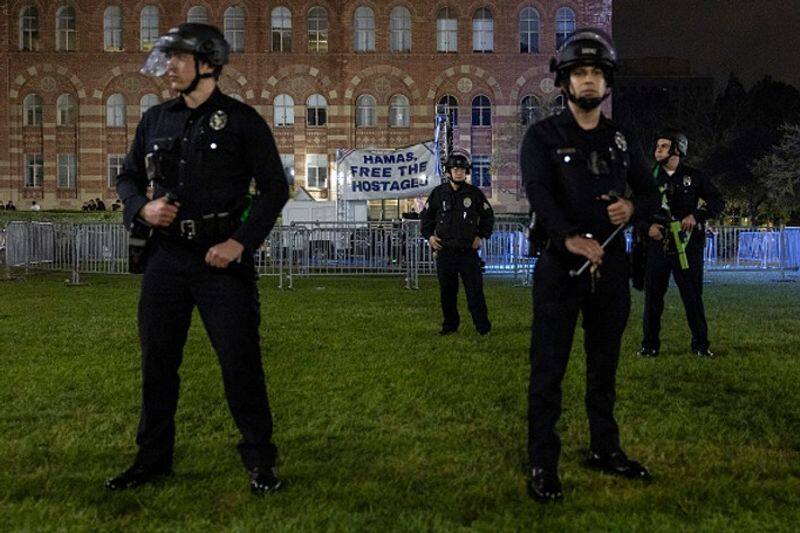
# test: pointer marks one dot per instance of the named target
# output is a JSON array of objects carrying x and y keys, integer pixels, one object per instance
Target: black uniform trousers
[
  {"x": 690, "y": 286},
  {"x": 175, "y": 280},
  {"x": 557, "y": 301},
  {"x": 450, "y": 263}
]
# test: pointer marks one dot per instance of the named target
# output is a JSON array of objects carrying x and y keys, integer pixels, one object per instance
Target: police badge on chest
[{"x": 218, "y": 120}]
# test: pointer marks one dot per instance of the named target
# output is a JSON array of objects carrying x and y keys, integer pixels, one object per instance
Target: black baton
[{"x": 576, "y": 273}]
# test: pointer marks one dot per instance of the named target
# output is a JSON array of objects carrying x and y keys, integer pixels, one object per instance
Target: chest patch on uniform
[
  {"x": 621, "y": 141},
  {"x": 467, "y": 202},
  {"x": 218, "y": 120},
  {"x": 687, "y": 181}
]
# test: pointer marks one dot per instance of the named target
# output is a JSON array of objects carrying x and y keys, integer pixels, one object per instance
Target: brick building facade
[{"x": 324, "y": 74}]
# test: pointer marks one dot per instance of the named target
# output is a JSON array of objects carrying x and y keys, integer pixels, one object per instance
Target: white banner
[{"x": 376, "y": 174}]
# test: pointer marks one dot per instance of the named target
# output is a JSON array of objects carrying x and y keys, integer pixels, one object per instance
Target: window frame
[
  {"x": 120, "y": 159},
  {"x": 70, "y": 109},
  {"x": 484, "y": 112},
  {"x": 318, "y": 36},
  {"x": 404, "y": 112},
  {"x": 320, "y": 112},
  {"x": 526, "y": 33},
  {"x": 232, "y": 17},
  {"x": 34, "y": 170},
  {"x": 65, "y": 15},
  {"x": 149, "y": 22},
  {"x": 366, "y": 111},
  {"x": 29, "y": 37},
  {"x": 444, "y": 44},
  {"x": 319, "y": 184},
  {"x": 283, "y": 112},
  {"x": 116, "y": 110},
  {"x": 364, "y": 30},
  {"x": 67, "y": 162},
  {"x": 32, "y": 110},
  {"x": 282, "y": 32},
  {"x": 400, "y": 26},
  {"x": 482, "y": 37}
]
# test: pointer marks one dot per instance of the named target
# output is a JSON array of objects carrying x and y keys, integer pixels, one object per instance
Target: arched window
[
  {"x": 482, "y": 31},
  {"x": 481, "y": 111},
  {"x": 66, "y": 110},
  {"x": 65, "y": 29},
  {"x": 399, "y": 112},
  {"x": 446, "y": 31},
  {"x": 284, "y": 110},
  {"x": 448, "y": 106},
  {"x": 365, "y": 111},
  {"x": 29, "y": 29},
  {"x": 146, "y": 102},
  {"x": 233, "y": 22},
  {"x": 529, "y": 31},
  {"x": 115, "y": 110},
  {"x": 317, "y": 30},
  {"x": 197, "y": 14},
  {"x": 32, "y": 110},
  {"x": 400, "y": 29},
  {"x": 530, "y": 110},
  {"x": 565, "y": 24},
  {"x": 364, "y": 25},
  {"x": 281, "y": 29},
  {"x": 316, "y": 110},
  {"x": 148, "y": 27},
  {"x": 112, "y": 29}
]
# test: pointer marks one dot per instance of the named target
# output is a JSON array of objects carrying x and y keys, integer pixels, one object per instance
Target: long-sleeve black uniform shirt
[
  {"x": 207, "y": 158},
  {"x": 566, "y": 169},
  {"x": 457, "y": 216},
  {"x": 686, "y": 188}
]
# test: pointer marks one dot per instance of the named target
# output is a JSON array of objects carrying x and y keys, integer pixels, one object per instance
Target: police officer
[
  {"x": 688, "y": 196},
  {"x": 576, "y": 166},
  {"x": 201, "y": 150},
  {"x": 456, "y": 217}
]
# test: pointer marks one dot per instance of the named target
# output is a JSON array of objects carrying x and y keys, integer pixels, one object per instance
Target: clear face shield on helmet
[{"x": 167, "y": 45}]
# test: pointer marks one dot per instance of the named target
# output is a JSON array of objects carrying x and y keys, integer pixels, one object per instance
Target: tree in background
[
  {"x": 779, "y": 173},
  {"x": 729, "y": 138}
]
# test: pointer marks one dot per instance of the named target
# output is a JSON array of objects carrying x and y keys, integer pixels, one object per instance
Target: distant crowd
[{"x": 92, "y": 205}]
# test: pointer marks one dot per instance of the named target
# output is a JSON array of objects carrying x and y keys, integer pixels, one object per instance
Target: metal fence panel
[{"x": 361, "y": 248}]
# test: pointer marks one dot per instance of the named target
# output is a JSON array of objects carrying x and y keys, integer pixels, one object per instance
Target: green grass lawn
[{"x": 382, "y": 425}]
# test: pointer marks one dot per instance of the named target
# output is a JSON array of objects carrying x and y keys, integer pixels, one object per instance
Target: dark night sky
[{"x": 748, "y": 37}]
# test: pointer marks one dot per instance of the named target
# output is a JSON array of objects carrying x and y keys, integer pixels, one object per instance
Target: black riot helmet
[
  {"x": 679, "y": 142},
  {"x": 585, "y": 47},
  {"x": 204, "y": 41},
  {"x": 458, "y": 159}
]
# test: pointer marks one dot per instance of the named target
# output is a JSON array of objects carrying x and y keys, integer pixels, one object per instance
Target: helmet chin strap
[
  {"x": 587, "y": 104},
  {"x": 197, "y": 77},
  {"x": 454, "y": 181}
]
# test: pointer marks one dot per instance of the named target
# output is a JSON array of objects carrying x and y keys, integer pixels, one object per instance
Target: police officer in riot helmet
[
  {"x": 200, "y": 151},
  {"x": 457, "y": 216},
  {"x": 674, "y": 239},
  {"x": 576, "y": 168}
]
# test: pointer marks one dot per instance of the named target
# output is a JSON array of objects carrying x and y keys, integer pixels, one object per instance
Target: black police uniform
[
  {"x": 207, "y": 158},
  {"x": 683, "y": 192},
  {"x": 457, "y": 217},
  {"x": 565, "y": 169}
]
